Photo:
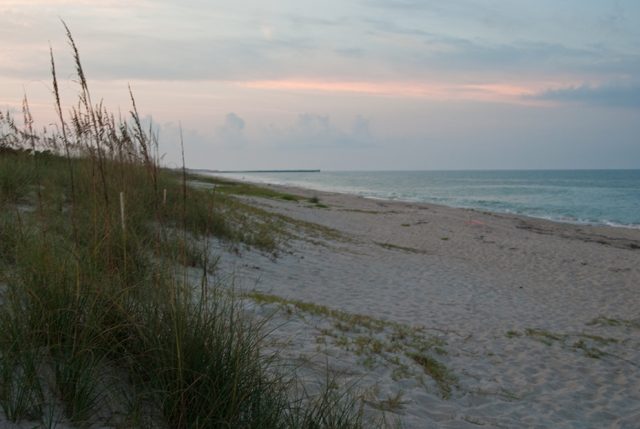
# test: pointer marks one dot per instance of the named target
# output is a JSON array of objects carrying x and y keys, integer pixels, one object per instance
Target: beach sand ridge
[{"x": 537, "y": 322}]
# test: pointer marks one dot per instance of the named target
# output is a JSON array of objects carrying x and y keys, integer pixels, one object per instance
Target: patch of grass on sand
[
  {"x": 390, "y": 246},
  {"x": 230, "y": 187},
  {"x": 362, "y": 211},
  {"x": 607, "y": 321},
  {"x": 313, "y": 229},
  {"x": 437, "y": 371},
  {"x": 589, "y": 351},
  {"x": 375, "y": 340},
  {"x": 265, "y": 229},
  {"x": 350, "y": 320},
  {"x": 599, "y": 339},
  {"x": 543, "y": 336},
  {"x": 392, "y": 403},
  {"x": 582, "y": 342},
  {"x": 316, "y": 202}
]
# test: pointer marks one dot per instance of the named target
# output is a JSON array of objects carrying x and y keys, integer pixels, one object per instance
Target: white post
[{"x": 122, "y": 210}]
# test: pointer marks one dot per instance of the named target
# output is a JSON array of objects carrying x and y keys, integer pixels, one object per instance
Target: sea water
[{"x": 604, "y": 197}]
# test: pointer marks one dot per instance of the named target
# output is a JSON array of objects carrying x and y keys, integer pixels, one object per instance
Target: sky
[{"x": 347, "y": 84}]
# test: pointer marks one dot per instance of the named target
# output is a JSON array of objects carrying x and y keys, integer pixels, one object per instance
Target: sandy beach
[
  {"x": 320, "y": 215},
  {"x": 534, "y": 323}
]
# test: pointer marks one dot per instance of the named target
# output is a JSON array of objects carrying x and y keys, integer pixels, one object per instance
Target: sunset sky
[{"x": 348, "y": 84}]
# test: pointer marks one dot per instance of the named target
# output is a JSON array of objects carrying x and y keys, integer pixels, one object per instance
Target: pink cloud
[
  {"x": 499, "y": 92},
  {"x": 22, "y": 3}
]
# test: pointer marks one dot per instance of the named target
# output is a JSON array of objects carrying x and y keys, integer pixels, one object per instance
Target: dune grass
[
  {"x": 102, "y": 320},
  {"x": 231, "y": 187}
]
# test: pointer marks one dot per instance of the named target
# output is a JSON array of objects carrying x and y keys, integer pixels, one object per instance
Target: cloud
[
  {"x": 610, "y": 95},
  {"x": 420, "y": 51},
  {"x": 134, "y": 49},
  {"x": 491, "y": 92},
  {"x": 314, "y": 21},
  {"x": 615, "y": 19},
  {"x": 360, "y": 129},
  {"x": 402, "y": 40},
  {"x": 309, "y": 138},
  {"x": 314, "y": 131},
  {"x": 233, "y": 123},
  {"x": 460, "y": 37},
  {"x": 407, "y": 5},
  {"x": 350, "y": 52},
  {"x": 470, "y": 11},
  {"x": 232, "y": 131},
  {"x": 197, "y": 146},
  {"x": 203, "y": 58},
  {"x": 313, "y": 126}
]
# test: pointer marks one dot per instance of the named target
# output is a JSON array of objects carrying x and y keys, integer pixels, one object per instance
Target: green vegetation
[
  {"x": 393, "y": 403},
  {"x": 440, "y": 374},
  {"x": 316, "y": 202},
  {"x": 263, "y": 229},
  {"x": 390, "y": 246},
  {"x": 592, "y": 352},
  {"x": 101, "y": 317},
  {"x": 361, "y": 211},
  {"x": 607, "y": 321},
  {"x": 348, "y": 320},
  {"x": 230, "y": 187},
  {"x": 376, "y": 341},
  {"x": 588, "y": 344},
  {"x": 599, "y": 339},
  {"x": 543, "y": 336}
]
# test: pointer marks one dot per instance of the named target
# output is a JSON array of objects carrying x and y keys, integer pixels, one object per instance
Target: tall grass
[{"x": 98, "y": 313}]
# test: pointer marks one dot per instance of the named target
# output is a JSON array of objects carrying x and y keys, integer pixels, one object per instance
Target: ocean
[{"x": 601, "y": 197}]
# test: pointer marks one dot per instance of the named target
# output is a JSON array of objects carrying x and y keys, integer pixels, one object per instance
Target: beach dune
[{"x": 536, "y": 322}]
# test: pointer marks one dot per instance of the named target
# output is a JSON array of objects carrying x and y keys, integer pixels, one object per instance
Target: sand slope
[{"x": 538, "y": 321}]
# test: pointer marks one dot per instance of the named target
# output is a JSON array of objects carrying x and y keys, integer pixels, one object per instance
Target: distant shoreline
[
  {"x": 254, "y": 171},
  {"x": 371, "y": 193}
]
